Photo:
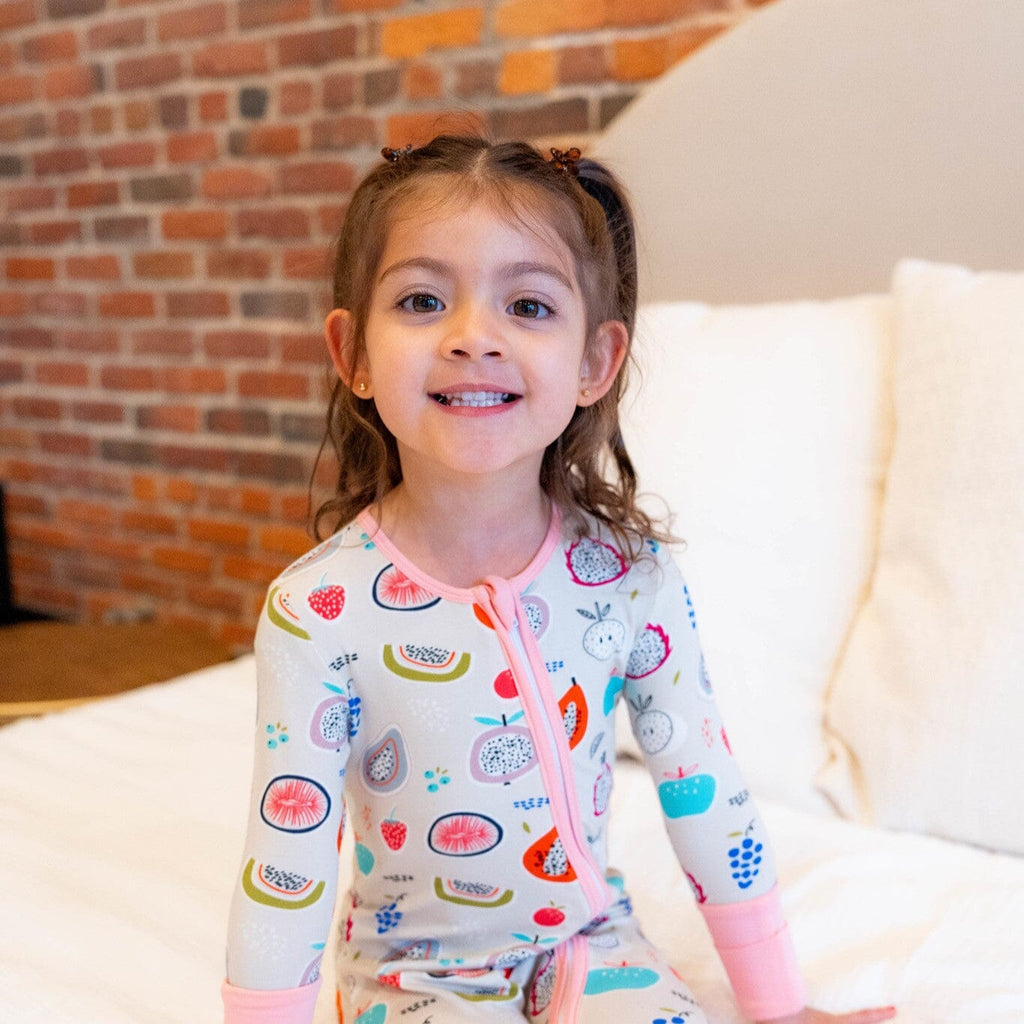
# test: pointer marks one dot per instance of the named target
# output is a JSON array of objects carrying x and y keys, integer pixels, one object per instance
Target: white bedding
[{"x": 122, "y": 826}]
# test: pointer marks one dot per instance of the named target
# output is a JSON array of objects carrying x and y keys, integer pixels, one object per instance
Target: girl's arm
[
  {"x": 282, "y": 904},
  {"x": 712, "y": 821}
]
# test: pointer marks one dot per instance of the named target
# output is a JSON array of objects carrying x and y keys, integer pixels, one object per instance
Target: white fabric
[
  {"x": 765, "y": 429},
  {"x": 122, "y": 824},
  {"x": 928, "y": 706}
]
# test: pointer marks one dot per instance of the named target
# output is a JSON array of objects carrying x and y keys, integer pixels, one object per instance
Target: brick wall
[{"x": 171, "y": 178}]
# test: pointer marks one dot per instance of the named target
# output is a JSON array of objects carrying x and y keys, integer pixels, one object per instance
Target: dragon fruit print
[
  {"x": 649, "y": 653},
  {"x": 592, "y": 563}
]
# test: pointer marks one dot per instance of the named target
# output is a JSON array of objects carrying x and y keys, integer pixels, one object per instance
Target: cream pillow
[
  {"x": 765, "y": 428},
  {"x": 927, "y": 710}
]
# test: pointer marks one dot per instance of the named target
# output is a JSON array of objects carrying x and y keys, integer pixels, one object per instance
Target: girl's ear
[
  {"x": 338, "y": 330},
  {"x": 602, "y": 361}
]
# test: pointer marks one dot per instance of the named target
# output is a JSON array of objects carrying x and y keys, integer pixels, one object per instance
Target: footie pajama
[{"x": 466, "y": 738}]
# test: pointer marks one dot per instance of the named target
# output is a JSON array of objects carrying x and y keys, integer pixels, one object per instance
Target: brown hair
[{"x": 591, "y": 215}]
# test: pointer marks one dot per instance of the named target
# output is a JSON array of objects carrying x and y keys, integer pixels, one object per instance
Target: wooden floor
[{"x": 47, "y": 666}]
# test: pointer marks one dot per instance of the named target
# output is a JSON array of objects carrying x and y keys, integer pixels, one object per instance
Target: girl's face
[{"x": 475, "y": 343}]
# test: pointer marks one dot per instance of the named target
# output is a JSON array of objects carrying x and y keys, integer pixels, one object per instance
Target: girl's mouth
[{"x": 475, "y": 399}]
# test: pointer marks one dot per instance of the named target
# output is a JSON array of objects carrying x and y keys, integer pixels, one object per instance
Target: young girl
[{"x": 445, "y": 666}]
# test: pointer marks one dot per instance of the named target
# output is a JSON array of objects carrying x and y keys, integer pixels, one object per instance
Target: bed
[{"x": 824, "y": 193}]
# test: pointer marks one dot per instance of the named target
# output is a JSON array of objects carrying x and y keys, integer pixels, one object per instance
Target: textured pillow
[
  {"x": 927, "y": 708},
  {"x": 765, "y": 429}
]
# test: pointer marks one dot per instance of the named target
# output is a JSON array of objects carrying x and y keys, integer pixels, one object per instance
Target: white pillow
[
  {"x": 928, "y": 706},
  {"x": 765, "y": 429}
]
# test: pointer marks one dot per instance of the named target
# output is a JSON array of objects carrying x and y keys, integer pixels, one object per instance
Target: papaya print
[{"x": 487, "y": 874}]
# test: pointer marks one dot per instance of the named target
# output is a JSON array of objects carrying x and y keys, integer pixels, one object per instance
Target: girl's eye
[
  {"x": 421, "y": 303},
  {"x": 530, "y": 308}
]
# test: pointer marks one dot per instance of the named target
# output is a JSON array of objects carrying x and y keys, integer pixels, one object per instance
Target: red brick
[
  {"x": 255, "y": 501},
  {"x": 288, "y": 540},
  {"x": 30, "y": 197},
  {"x": 235, "y": 183},
  {"x": 127, "y": 154},
  {"x": 236, "y": 344},
  {"x": 90, "y": 339},
  {"x": 192, "y": 147},
  {"x": 582, "y": 64},
  {"x": 87, "y": 513},
  {"x": 138, "y": 115},
  {"x": 180, "y": 418},
  {"x": 415, "y": 34},
  {"x": 55, "y": 232},
  {"x": 423, "y": 82},
  {"x": 231, "y": 59},
  {"x": 93, "y": 193},
  {"x": 195, "y": 380},
  {"x": 314, "y": 49},
  {"x": 255, "y": 570},
  {"x": 339, "y": 91},
  {"x": 527, "y": 71},
  {"x": 66, "y": 444},
  {"x": 183, "y": 560},
  {"x": 198, "y": 304},
  {"x": 216, "y": 599},
  {"x": 238, "y": 264},
  {"x": 190, "y": 458},
  {"x": 94, "y": 268},
  {"x": 59, "y": 304},
  {"x": 213, "y": 106},
  {"x": 149, "y": 522},
  {"x": 12, "y": 304},
  {"x": 60, "y": 161},
  {"x": 268, "y": 384},
  {"x": 635, "y": 60},
  {"x": 73, "y": 81},
  {"x": 343, "y": 132},
  {"x": 260, "y": 13},
  {"x": 101, "y": 120},
  {"x": 97, "y": 412},
  {"x": 418, "y": 128},
  {"x": 62, "y": 374},
  {"x": 208, "y": 225},
  {"x": 273, "y": 222},
  {"x": 182, "y": 491},
  {"x": 164, "y": 265},
  {"x": 551, "y": 17},
  {"x": 215, "y": 531},
  {"x": 144, "y": 488},
  {"x": 17, "y": 14},
  {"x": 18, "y": 88},
  {"x": 127, "y": 304},
  {"x": 271, "y": 140},
  {"x": 626, "y": 13},
  {"x": 162, "y": 342},
  {"x": 307, "y": 264},
  {"x": 198, "y": 22},
  {"x": 148, "y": 72},
  {"x": 317, "y": 178},
  {"x": 295, "y": 98},
  {"x": 27, "y": 407},
  {"x": 117, "y": 35},
  {"x": 50, "y": 47},
  {"x": 128, "y": 378},
  {"x": 27, "y": 268}
]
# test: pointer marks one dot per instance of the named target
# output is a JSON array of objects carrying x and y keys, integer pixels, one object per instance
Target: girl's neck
[{"x": 461, "y": 536}]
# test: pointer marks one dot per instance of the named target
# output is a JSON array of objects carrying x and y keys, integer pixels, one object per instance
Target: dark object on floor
[{"x": 48, "y": 666}]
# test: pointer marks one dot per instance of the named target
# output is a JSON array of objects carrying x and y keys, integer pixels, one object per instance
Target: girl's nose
[{"x": 474, "y": 334}]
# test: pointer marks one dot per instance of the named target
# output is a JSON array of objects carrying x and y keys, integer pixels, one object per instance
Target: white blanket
[{"x": 122, "y": 821}]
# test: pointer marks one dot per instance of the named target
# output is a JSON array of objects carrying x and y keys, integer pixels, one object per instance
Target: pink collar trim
[{"x": 462, "y": 595}]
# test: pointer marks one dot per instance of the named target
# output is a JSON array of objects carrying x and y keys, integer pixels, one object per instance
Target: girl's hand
[{"x": 809, "y": 1016}]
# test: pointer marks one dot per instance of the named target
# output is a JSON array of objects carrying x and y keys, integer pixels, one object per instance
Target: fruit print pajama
[{"x": 466, "y": 738}]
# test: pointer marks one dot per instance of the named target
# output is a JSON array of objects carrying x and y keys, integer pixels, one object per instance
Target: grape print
[{"x": 745, "y": 860}]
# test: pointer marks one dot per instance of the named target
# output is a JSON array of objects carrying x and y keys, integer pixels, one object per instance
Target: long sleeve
[
  {"x": 282, "y": 905},
  {"x": 711, "y": 820}
]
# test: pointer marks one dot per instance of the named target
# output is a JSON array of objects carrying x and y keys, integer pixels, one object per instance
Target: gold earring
[
  {"x": 586, "y": 392},
  {"x": 362, "y": 385}
]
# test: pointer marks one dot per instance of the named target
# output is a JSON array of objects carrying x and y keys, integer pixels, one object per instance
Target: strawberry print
[
  {"x": 393, "y": 831},
  {"x": 327, "y": 600}
]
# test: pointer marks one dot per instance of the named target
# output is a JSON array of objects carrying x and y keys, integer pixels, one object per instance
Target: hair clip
[
  {"x": 394, "y": 155},
  {"x": 566, "y": 161}
]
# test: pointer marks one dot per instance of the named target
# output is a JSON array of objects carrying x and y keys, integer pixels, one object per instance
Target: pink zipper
[{"x": 544, "y": 720}]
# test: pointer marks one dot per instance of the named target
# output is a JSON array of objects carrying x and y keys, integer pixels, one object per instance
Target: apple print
[{"x": 549, "y": 917}]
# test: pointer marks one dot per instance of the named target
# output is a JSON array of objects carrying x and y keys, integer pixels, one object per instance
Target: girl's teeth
[{"x": 478, "y": 399}]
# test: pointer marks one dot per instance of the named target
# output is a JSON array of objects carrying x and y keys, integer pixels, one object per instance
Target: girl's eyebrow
[{"x": 522, "y": 268}]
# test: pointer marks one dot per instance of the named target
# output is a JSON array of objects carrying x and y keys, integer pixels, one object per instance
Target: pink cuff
[
  {"x": 271, "y": 1006},
  {"x": 754, "y": 944}
]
